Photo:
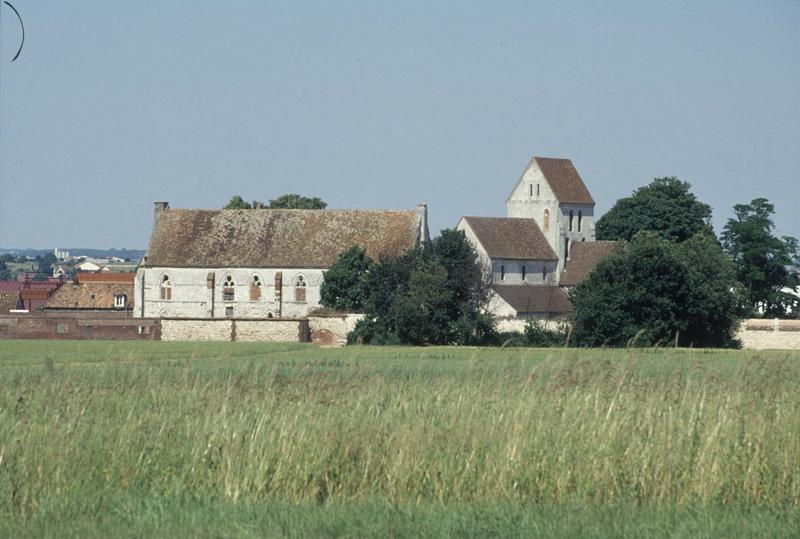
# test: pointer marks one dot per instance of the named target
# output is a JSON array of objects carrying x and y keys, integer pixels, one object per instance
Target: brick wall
[
  {"x": 761, "y": 334},
  {"x": 77, "y": 325}
]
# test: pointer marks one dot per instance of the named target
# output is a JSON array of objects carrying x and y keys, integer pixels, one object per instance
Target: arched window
[
  {"x": 228, "y": 291},
  {"x": 502, "y": 272},
  {"x": 580, "y": 218},
  {"x": 546, "y": 220},
  {"x": 570, "y": 220},
  {"x": 165, "y": 288},
  {"x": 523, "y": 272},
  {"x": 300, "y": 289},
  {"x": 255, "y": 288}
]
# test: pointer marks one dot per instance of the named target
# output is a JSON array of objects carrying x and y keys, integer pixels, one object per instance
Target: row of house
[{"x": 266, "y": 263}]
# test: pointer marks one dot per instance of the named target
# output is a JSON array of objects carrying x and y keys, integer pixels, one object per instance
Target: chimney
[
  {"x": 422, "y": 216},
  {"x": 159, "y": 208}
]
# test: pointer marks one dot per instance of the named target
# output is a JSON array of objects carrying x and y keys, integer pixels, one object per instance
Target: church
[{"x": 544, "y": 245}]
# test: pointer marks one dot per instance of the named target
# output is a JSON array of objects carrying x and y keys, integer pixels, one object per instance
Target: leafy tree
[
  {"x": 238, "y": 203},
  {"x": 764, "y": 263},
  {"x": 45, "y": 263},
  {"x": 655, "y": 291},
  {"x": 431, "y": 295},
  {"x": 5, "y": 273},
  {"x": 345, "y": 284},
  {"x": 666, "y": 206},
  {"x": 297, "y": 202}
]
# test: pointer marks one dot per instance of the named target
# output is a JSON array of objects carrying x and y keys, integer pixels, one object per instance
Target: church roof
[
  {"x": 511, "y": 237},
  {"x": 564, "y": 180},
  {"x": 584, "y": 257},
  {"x": 265, "y": 238},
  {"x": 534, "y": 298}
]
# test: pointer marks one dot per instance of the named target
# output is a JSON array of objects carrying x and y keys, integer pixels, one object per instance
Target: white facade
[
  {"x": 226, "y": 293},
  {"x": 561, "y": 223}
]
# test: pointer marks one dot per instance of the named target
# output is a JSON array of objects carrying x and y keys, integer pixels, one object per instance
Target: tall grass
[{"x": 409, "y": 426}]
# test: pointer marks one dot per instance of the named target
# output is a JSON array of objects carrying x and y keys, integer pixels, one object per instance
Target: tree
[
  {"x": 297, "y": 202},
  {"x": 45, "y": 263},
  {"x": 238, "y": 203},
  {"x": 5, "y": 273},
  {"x": 345, "y": 284},
  {"x": 764, "y": 263},
  {"x": 656, "y": 292},
  {"x": 431, "y": 295},
  {"x": 666, "y": 206}
]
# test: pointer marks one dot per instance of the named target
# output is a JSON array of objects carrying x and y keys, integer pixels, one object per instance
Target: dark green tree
[
  {"x": 297, "y": 202},
  {"x": 666, "y": 206},
  {"x": 764, "y": 263},
  {"x": 5, "y": 273},
  {"x": 238, "y": 203},
  {"x": 45, "y": 264},
  {"x": 655, "y": 291},
  {"x": 346, "y": 282},
  {"x": 431, "y": 295}
]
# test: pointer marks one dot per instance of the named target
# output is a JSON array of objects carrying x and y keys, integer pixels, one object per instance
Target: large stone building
[
  {"x": 258, "y": 263},
  {"x": 529, "y": 254}
]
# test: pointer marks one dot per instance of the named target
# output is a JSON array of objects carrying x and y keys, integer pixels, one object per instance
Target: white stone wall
[
  {"x": 509, "y": 272},
  {"x": 196, "y": 330},
  {"x": 267, "y": 330},
  {"x": 761, "y": 334},
  {"x": 332, "y": 330},
  {"x": 192, "y": 298},
  {"x": 228, "y": 330}
]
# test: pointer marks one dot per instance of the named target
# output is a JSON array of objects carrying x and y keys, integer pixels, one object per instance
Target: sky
[{"x": 114, "y": 105}]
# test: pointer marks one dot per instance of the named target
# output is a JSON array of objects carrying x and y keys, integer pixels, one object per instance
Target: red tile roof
[
  {"x": 91, "y": 295},
  {"x": 108, "y": 277},
  {"x": 534, "y": 298},
  {"x": 583, "y": 258}
]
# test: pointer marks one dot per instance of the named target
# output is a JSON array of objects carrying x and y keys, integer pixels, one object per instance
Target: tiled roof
[
  {"x": 108, "y": 277},
  {"x": 276, "y": 238},
  {"x": 33, "y": 298},
  {"x": 534, "y": 298},
  {"x": 90, "y": 295},
  {"x": 10, "y": 286},
  {"x": 564, "y": 180},
  {"x": 8, "y": 301},
  {"x": 583, "y": 257},
  {"x": 511, "y": 237}
]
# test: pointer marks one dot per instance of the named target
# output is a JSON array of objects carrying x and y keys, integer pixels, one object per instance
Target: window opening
[
  {"x": 544, "y": 274},
  {"x": 523, "y": 272},
  {"x": 300, "y": 289},
  {"x": 502, "y": 272},
  {"x": 255, "y": 288},
  {"x": 566, "y": 250},
  {"x": 570, "y": 220},
  {"x": 228, "y": 292},
  {"x": 229, "y": 311},
  {"x": 546, "y": 220},
  {"x": 166, "y": 288},
  {"x": 537, "y": 189},
  {"x": 580, "y": 218},
  {"x": 119, "y": 301}
]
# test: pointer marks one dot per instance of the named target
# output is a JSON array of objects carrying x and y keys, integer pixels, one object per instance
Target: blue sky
[{"x": 114, "y": 105}]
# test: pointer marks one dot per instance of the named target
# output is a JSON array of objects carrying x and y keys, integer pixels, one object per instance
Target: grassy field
[{"x": 236, "y": 440}]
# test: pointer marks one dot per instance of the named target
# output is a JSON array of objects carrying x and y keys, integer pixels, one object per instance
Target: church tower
[{"x": 551, "y": 192}]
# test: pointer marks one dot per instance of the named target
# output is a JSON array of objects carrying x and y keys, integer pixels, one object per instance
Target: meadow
[{"x": 133, "y": 439}]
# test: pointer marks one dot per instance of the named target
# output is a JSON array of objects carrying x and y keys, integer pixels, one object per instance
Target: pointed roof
[
  {"x": 514, "y": 238},
  {"x": 265, "y": 238},
  {"x": 563, "y": 179},
  {"x": 583, "y": 258}
]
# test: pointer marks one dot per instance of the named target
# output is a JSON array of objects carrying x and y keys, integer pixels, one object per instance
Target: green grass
[{"x": 236, "y": 439}]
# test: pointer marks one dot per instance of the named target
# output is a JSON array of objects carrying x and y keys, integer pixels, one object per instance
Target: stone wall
[
  {"x": 762, "y": 334},
  {"x": 332, "y": 330},
  {"x": 78, "y": 325},
  {"x": 265, "y": 330}
]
